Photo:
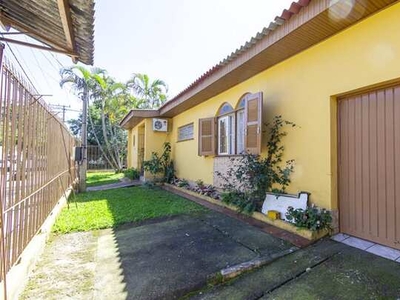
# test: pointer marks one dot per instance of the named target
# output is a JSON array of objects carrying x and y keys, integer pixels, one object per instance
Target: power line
[
  {"x": 63, "y": 109},
  {"x": 40, "y": 68},
  {"x": 20, "y": 65},
  {"x": 50, "y": 62},
  {"x": 55, "y": 57}
]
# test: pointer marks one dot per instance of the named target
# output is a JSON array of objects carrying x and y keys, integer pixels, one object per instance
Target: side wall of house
[
  {"x": 134, "y": 144},
  {"x": 303, "y": 90},
  {"x": 153, "y": 142},
  {"x": 131, "y": 149}
]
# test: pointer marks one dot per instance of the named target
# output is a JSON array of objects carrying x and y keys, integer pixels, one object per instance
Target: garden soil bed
[{"x": 304, "y": 233}]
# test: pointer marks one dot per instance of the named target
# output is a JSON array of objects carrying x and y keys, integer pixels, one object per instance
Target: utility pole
[
  {"x": 63, "y": 109},
  {"x": 83, "y": 163}
]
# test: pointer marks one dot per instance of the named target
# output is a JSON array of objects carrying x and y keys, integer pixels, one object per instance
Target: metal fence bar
[
  {"x": 3, "y": 270},
  {"x": 35, "y": 167},
  {"x": 95, "y": 159}
]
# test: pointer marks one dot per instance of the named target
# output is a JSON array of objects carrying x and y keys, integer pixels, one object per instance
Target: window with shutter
[
  {"x": 253, "y": 123},
  {"x": 226, "y": 135},
  {"x": 207, "y": 136},
  {"x": 240, "y": 132},
  {"x": 233, "y": 131}
]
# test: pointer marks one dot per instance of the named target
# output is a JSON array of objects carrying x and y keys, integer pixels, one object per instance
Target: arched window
[
  {"x": 240, "y": 124},
  {"x": 231, "y": 128},
  {"x": 237, "y": 130},
  {"x": 224, "y": 109},
  {"x": 242, "y": 102},
  {"x": 226, "y": 130}
]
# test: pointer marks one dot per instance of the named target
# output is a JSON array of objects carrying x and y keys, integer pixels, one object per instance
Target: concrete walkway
[
  {"x": 117, "y": 185},
  {"x": 182, "y": 256},
  {"x": 159, "y": 259},
  {"x": 326, "y": 270}
]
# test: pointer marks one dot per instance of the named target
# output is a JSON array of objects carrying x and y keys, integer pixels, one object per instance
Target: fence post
[{"x": 2, "y": 240}]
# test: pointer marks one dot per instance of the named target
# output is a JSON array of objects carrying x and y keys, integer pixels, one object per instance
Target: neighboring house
[{"x": 331, "y": 67}]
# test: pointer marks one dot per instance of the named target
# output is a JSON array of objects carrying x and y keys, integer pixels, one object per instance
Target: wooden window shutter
[
  {"x": 207, "y": 136},
  {"x": 253, "y": 122}
]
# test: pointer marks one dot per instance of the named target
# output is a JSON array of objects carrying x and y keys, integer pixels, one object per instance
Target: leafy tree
[
  {"x": 87, "y": 85},
  {"x": 110, "y": 101},
  {"x": 152, "y": 94}
]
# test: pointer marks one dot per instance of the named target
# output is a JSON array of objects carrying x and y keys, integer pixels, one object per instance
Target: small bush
[
  {"x": 200, "y": 188},
  {"x": 161, "y": 164},
  {"x": 250, "y": 176},
  {"x": 132, "y": 173},
  {"x": 311, "y": 218},
  {"x": 200, "y": 183},
  {"x": 182, "y": 183},
  {"x": 241, "y": 200},
  {"x": 206, "y": 190}
]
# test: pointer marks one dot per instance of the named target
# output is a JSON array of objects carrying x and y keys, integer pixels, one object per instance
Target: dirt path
[{"x": 66, "y": 269}]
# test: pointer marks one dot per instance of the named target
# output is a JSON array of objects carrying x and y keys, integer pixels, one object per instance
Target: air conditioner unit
[{"x": 160, "y": 125}]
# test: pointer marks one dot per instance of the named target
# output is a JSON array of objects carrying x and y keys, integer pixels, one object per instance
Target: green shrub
[
  {"x": 311, "y": 218},
  {"x": 182, "y": 183},
  {"x": 251, "y": 176},
  {"x": 131, "y": 173},
  {"x": 161, "y": 164},
  {"x": 241, "y": 200}
]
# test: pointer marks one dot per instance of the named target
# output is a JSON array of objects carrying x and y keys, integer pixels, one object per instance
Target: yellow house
[{"x": 331, "y": 67}]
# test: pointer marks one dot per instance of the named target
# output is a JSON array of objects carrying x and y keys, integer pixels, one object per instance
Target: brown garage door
[{"x": 369, "y": 166}]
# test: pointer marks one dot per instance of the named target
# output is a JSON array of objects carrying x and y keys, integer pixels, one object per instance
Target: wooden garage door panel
[{"x": 369, "y": 166}]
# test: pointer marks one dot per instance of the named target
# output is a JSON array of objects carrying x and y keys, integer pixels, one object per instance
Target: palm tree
[
  {"x": 151, "y": 93},
  {"x": 79, "y": 78},
  {"x": 114, "y": 101},
  {"x": 86, "y": 85}
]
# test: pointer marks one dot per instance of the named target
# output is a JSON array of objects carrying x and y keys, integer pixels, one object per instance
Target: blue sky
[{"x": 176, "y": 41}]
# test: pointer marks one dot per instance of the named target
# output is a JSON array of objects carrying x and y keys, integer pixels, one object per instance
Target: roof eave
[
  {"x": 304, "y": 25},
  {"x": 65, "y": 27},
  {"x": 135, "y": 116}
]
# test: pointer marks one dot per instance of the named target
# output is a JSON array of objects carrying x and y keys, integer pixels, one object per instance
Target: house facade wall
[
  {"x": 133, "y": 148},
  {"x": 303, "y": 89}
]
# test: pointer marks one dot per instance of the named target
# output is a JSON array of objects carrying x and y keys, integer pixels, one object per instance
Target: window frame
[
  {"x": 185, "y": 139},
  {"x": 231, "y": 142},
  {"x": 248, "y": 134},
  {"x": 230, "y": 134},
  {"x": 237, "y": 112}
]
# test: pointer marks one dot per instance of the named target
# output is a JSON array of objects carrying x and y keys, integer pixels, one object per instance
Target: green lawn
[
  {"x": 109, "y": 208},
  {"x": 101, "y": 178}
]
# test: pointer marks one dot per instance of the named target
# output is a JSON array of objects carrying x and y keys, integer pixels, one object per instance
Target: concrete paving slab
[
  {"x": 384, "y": 251},
  {"x": 168, "y": 259},
  {"x": 254, "y": 285},
  {"x": 325, "y": 270},
  {"x": 340, "y": 237},
  {"x": 116, "y": 185},
  {"x": 358, "y": 243},
  {"x": 247, "y": 235},
  {"x": 351, "y": 274}
]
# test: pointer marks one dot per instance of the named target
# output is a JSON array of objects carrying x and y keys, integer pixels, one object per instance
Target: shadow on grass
[
  {"x": 148, "y": 234},
  {"x": 111, "y": 208},
  {"x": 102, "y": 178}
]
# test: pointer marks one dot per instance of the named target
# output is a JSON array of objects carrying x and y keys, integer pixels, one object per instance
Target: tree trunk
[
  {"x": 103, "y": 123},
  {"x": 99, "y": 144},
  {"x": 83, "y": 165}
]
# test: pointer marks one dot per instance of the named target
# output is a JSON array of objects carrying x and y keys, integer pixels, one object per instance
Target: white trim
[{"x": 229, "y": 120}]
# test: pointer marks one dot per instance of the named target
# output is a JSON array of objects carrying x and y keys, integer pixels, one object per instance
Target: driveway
[
  {"x": 326, "y": 270},
  {"x": 168, "y": 259},
  {"x": 159, "y": 259},
  {"x": 180, "y": 256}
]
